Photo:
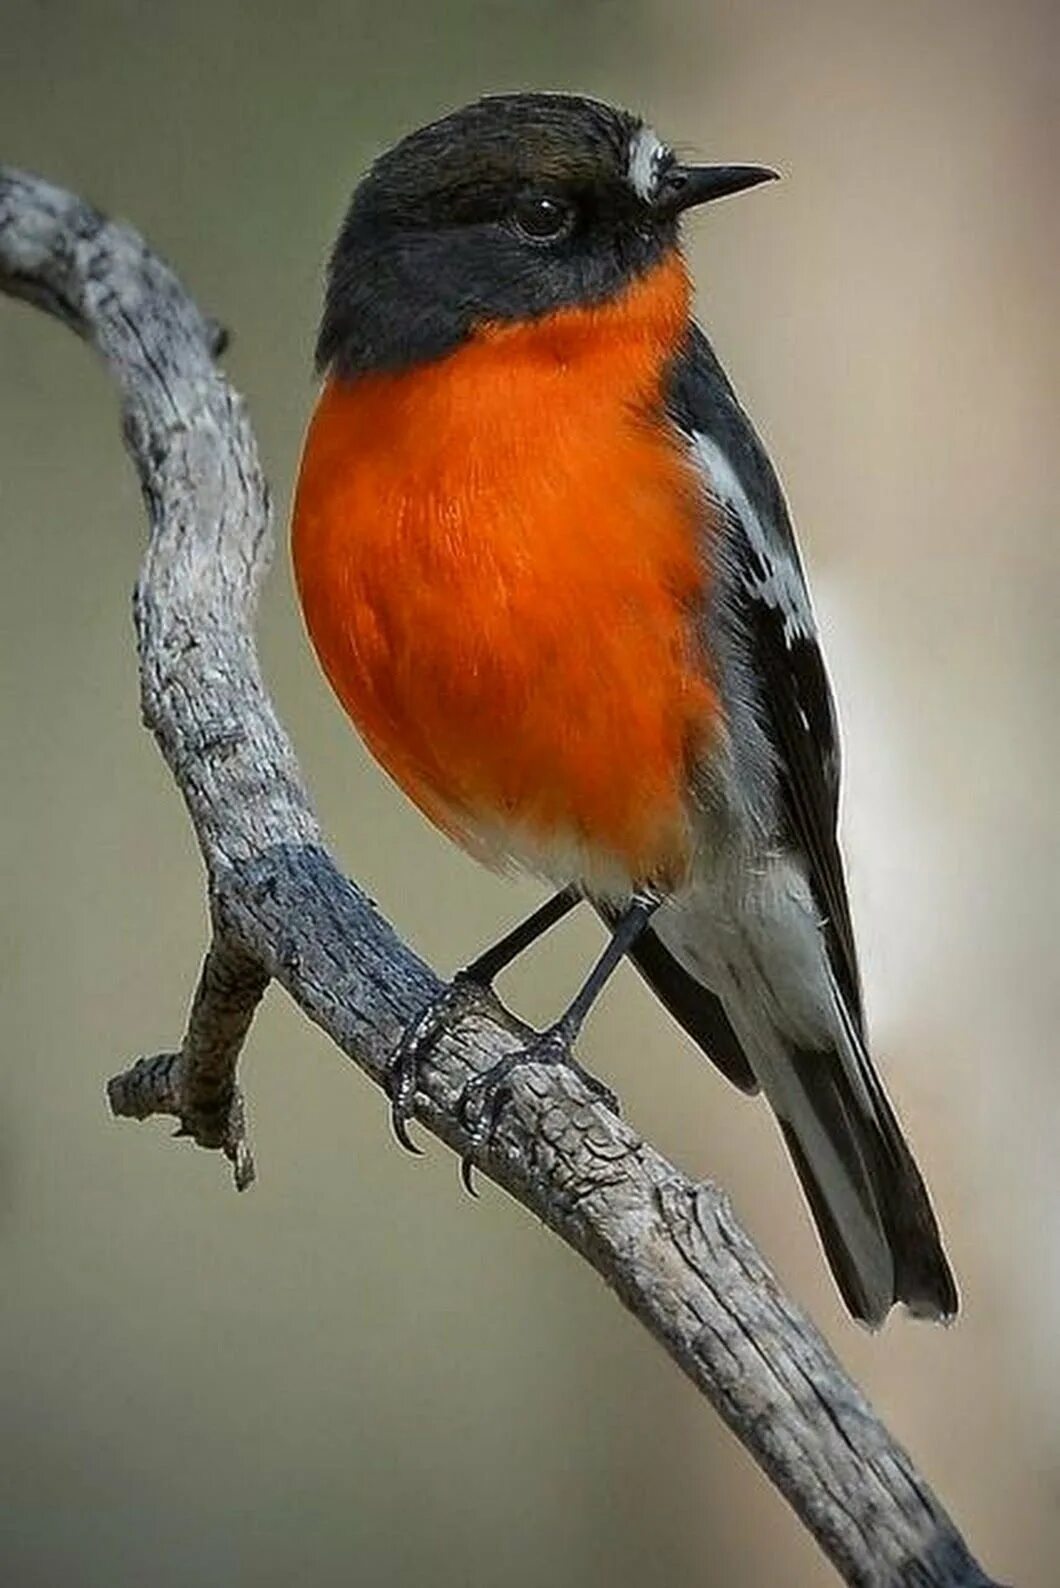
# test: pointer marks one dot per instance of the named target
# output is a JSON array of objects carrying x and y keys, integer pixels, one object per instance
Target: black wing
[
  {"x": 766, "y": 579},
  {"x": 692, "y": 1005}
]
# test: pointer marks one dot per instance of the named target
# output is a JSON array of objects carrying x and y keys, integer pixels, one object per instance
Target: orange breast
[{"x": 499, "y": 560}]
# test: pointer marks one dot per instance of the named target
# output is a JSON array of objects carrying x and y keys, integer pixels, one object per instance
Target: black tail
[
  {"x": 866, "y": 1194},
  {"x": 868, "y": 1199}
]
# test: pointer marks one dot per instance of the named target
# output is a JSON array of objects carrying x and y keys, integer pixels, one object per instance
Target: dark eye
[{"x": 542, "y": 219}]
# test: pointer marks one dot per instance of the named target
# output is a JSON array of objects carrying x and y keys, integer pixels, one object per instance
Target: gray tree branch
[{"x": 280, "y": 910}]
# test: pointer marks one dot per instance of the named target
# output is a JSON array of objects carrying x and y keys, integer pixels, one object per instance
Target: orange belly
[{"x": 499, "y": 559}]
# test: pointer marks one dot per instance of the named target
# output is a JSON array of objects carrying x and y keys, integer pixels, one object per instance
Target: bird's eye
[{"x": 542, "y": 219}]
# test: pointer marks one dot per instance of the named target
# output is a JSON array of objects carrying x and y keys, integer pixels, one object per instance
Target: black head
[{"x": 511, "y": 208}]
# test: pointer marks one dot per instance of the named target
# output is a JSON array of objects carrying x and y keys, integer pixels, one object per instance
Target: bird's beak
[{"x": 683, "y": 186}]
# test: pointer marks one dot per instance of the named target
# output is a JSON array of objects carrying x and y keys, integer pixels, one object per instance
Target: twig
[{"x": 280, "y": 909}]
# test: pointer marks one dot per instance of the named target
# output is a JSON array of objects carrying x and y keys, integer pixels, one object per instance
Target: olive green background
[{"x": 354, "y": 1373}]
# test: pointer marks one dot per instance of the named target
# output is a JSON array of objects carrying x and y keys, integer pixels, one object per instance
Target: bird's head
[{"x": 509, "y": 209}]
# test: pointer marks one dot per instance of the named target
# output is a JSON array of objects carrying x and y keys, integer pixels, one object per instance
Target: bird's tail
[{"x": 867, "y": 1197}]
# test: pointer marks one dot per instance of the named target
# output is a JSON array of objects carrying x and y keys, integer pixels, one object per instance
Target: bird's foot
[
  {"x": 463, "y": 995},
  {"x": 486, "y": 1094}
]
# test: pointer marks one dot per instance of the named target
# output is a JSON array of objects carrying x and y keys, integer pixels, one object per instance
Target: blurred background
[{"x": 354, "y": 1373}]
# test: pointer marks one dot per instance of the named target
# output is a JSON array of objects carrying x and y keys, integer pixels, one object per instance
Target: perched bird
[{"x": 549, "y": 571}]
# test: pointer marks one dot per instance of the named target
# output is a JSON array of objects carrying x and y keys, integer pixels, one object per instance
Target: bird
[{"x": 548, "y": 569}]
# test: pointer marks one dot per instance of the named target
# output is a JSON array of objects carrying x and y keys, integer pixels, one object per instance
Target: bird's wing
[
  {"x": 780, "y": 773},
  {"x": 698, "y": 1010},
  {"x": 765, "y": 585}
]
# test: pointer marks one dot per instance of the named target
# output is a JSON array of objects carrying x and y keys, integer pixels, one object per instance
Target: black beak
[{"x": 683, "y": 186}]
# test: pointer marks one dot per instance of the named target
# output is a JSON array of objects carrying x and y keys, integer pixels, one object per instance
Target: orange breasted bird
[{"x": 549, "y": 571}]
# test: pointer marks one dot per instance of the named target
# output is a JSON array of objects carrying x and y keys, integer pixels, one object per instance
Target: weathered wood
[{"x": 280, "y": 909}]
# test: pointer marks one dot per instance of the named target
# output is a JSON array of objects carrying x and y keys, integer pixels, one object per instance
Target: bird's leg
[
  {"x": 484, "y": 970},
  {"x": 462, "y": 993},
  {"x": 484, "y": 1096}
]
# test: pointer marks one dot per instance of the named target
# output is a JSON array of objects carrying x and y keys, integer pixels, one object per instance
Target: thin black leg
[
  {"x": 493, "y": 960},
  {"x": 467, "y": 986},
  {"x": 629, "y": 926},
  {"x": 484, "y": 1095}
]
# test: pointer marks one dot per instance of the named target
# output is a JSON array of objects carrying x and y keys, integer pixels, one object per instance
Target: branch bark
[{"x": 280, "y": 910}]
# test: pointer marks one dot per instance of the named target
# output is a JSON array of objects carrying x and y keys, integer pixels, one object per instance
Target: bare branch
[
  {"x": 198, "y": 1084},
  {"x": 671, "y": 1249}
]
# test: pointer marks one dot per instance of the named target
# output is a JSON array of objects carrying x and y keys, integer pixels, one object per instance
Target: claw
[
  {"x": 485, "y": 1095},
  {"x": 418, "y": 1039},
  {"x": 398, "y": 1117},
  {"x": 401, "y": 1078},
  {"x": 481, "y": 1101},
  {"x": 467, "y": 1175}
]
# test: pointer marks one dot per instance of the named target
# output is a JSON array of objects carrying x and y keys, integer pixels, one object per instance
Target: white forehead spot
[{"x": 646, "y": 156}]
